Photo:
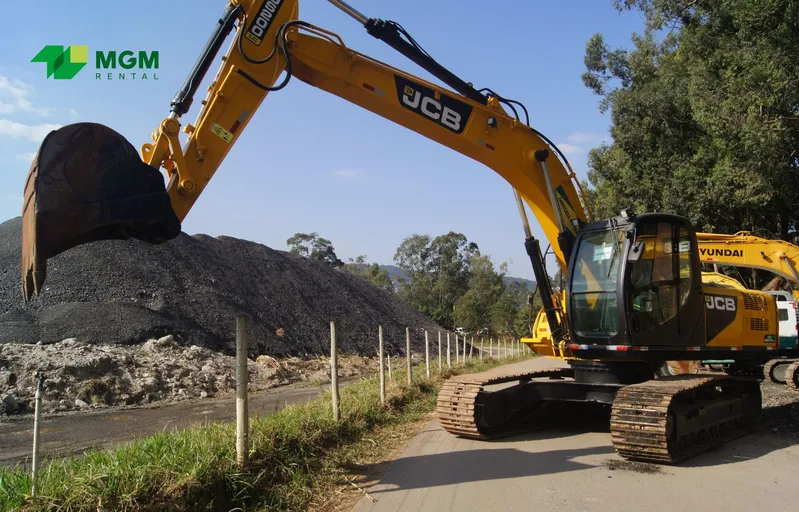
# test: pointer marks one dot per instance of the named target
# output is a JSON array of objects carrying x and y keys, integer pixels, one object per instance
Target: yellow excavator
[
  {"x": 633, "y": 295},
  {"x": 744, "y": 250}
]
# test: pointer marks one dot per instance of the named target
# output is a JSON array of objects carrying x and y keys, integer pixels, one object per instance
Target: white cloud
[
  {"x": 570, "y": 149},
  {"x": 14, "y": 98},
  {"x": 347, "y": 173},
  {"x": 14, "y": 197},
  {"x": 73, "y": 112},
  {"x": 27, "y": 157},
  {"x": 33, "y": 132},
  {"x": 15, "y": 88}
]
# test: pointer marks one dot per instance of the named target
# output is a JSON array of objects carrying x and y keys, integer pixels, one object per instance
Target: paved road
[
  {"x": 77, "y": 432},
  {"x": 568, "y": 470}
]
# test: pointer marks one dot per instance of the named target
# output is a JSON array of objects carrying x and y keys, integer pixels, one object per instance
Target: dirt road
[
  {"x": 577, "y": 469},
  {"x": 76, "y": 432}
]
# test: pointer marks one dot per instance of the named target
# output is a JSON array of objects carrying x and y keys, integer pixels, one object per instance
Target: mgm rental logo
[{"x": 65, "y": 63}]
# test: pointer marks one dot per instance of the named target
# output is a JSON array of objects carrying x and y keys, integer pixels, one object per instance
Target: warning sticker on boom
[{"x": 222, "y": 133}]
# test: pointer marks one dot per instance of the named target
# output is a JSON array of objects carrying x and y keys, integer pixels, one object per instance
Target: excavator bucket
[{"x": 88, "y": 183}]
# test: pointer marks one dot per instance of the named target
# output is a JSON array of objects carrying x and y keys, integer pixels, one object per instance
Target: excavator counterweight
[{"x": 88, "y": 183}]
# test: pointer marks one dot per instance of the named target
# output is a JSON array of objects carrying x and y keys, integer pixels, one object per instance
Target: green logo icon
[{"x": 63, "y": 64}]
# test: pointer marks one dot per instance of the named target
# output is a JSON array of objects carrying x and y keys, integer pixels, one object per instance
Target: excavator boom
[{"x": 87, "y": 183}]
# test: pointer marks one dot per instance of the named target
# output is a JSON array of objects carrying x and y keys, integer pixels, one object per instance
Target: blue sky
[{"x": 310, "y": 161}]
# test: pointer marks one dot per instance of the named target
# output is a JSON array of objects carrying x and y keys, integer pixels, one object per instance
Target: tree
[
  {"x": 452, "y": 256},
  {"x": 379, "y": 277},
  {"x": 505, "y": 311},
  {"x": 372, "y": 273},
  {"x": 438, "y": 273},
  {"x": 413, "y": 255},
  {"x": 473, "y": 310},
  {"x": 314, "y": 247},
  {"x": 704, "y": 117}
]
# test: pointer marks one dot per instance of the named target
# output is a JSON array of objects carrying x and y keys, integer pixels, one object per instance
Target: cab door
[{"x": 663, "y": 297}]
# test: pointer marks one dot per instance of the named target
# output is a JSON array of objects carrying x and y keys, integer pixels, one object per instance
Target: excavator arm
[
  {"x": 746, "y": 250},
  {"x": 271, "y": 46}
]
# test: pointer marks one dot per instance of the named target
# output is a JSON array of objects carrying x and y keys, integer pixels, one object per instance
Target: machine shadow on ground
[
  {"x": 442, "y": 469},
  {"x": 765, "y": 439},
  {"x": 557, "y": 421},
  {"x": 749, "y": 447}
]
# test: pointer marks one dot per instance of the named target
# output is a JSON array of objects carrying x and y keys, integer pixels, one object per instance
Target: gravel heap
[
  {"x": 81, "y": 376},
  {"x": 192, "y": 287}
]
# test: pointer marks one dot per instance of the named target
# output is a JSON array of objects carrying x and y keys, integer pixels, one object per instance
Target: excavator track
[
  {"x": 793, "y": 376},
  {"x": 773, "y": 373},
  {"x": 674, "y": 418},
  {"x": 462, "y": 399}
]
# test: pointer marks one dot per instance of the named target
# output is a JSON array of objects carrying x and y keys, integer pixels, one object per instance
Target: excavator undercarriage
[{"x": 663, "y": 420}]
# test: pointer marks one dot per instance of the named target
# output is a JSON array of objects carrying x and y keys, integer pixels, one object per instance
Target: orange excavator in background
[{"x": 633, "y": 295}]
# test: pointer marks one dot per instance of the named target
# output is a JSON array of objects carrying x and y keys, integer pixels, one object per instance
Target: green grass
[{"x": 293, "y": 454}]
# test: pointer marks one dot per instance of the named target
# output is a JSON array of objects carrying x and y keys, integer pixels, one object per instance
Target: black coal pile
[{"x": 192, "y": 288}]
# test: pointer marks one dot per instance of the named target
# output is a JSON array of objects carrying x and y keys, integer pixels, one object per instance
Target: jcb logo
[
  {"x": 720, "y": 303},
  {"x": 446, "y": 111},
  {"x": 432, "y": 109}
]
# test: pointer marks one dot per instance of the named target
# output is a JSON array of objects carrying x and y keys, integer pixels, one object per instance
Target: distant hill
[
  {"x": 527, "y": 282},
  {"x": 396, "y": 273}
]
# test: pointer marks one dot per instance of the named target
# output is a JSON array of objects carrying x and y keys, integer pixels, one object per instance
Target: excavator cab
[
  {"x": 636, "y": 280},
  {"x": 88, "y": 183}
]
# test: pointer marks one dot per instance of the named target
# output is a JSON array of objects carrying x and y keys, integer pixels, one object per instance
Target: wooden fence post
[
  {"x": 242, "y": 412},
  {"x": 427, "y": 354},
  {"x": 481, "y": 349},
  {"x": 440, "y": 361},
  {"x": 334, "y": 371},
  {"x": 408, "y": 352},
  {"x": 382, "y": 366},
  {"x": 36, "y": 416},
  {"x": 449, "y": 351}
]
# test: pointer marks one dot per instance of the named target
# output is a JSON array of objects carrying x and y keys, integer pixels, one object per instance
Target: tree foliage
[
  {"x": 705, "y": 114},
  {"x": 473, "y": 309},
  {"x": 438, "y": 271},
  {"x": 315, "y": 247},
  {"x": 455, "y": 285},
  {"x": 371, "y": 272}
]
